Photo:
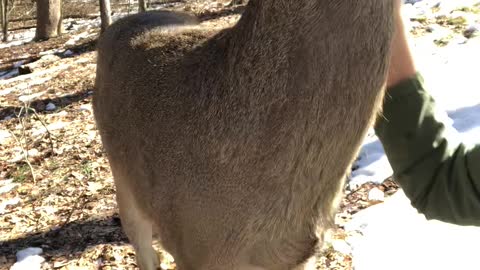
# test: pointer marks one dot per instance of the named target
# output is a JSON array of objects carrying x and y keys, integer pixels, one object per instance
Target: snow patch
[
  {"x": 7, "y": 185},
  {"x": 8, "y": 74},
  {"x": 395, "y": 235},
  {"x": 19, "y": 38},
  {"x": 4, "y": 136},
  {"x": 372, "y": 163},
  {"x": 29, "y": 259},
  {"x": 51, "y": 127},
  {"x": 50, "y": 107},
  {"x": 21, "y": 154},
  {"x": 376, "y": 195},
  {"x": 6, "y": 203},
  {"x": 67, "y": 53},
  {"x": 31, "y": 97}
]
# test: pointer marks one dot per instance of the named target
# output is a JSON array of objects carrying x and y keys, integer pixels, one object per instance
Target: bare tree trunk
[
  {"x": 142, "y": 5},
  {"x": 105, "y": 14},
  {"x": 60, "y": 23},
  {"x": 4, "y": 17},
  {"x": 49, "y": 19}
]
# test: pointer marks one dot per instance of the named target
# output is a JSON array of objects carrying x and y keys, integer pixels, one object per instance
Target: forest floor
[{"x": 56, "y": 188}]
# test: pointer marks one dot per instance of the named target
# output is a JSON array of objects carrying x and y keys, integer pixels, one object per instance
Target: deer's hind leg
[{"x": 137, "y": 227}]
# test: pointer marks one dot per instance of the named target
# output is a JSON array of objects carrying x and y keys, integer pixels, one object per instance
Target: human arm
[{"x": 440, "y": 175}]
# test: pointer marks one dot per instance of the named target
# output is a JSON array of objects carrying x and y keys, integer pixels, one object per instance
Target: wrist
[{"x": 402, "y": 65}]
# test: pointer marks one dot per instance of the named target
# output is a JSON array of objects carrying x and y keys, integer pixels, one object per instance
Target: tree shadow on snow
[
  {"x": 69, "y": 240},
  {"x": 466, "y": 119},
  {"x": 40, "y": 106},
  {"x": 87, "y": 45}
]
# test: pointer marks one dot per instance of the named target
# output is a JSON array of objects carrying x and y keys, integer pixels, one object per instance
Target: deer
[{"x": 230, "y": 145}]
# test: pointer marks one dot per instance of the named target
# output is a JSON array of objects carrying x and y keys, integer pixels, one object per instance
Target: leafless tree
[
  {"x": 105, "y": 14},
  {"x": 142, "y": 5},
  {"x": 49, "y": 19},
  {"x": 60, "y": 24},
  {"x": 4, "y": 18}
]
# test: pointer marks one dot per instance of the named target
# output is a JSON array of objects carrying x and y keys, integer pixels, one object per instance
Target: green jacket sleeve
[{"x": 439, "y": 175}]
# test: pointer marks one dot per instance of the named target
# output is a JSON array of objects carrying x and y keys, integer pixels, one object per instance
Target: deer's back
[{"x": 205, "y": 130}]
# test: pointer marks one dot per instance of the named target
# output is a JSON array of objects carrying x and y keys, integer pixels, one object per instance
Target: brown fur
[{"x": 232, "y": 145}]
